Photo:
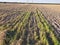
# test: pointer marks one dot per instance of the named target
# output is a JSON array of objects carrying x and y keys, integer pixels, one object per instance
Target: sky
[{"x": 35, "y": 1}]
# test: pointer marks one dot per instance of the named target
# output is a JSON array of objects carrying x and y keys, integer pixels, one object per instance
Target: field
[{"x": 29, "y": 24}]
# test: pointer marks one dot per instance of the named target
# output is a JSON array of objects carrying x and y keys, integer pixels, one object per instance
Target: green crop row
[
  {"x": 16, "y": 29},
  {"x": 45, "y": 27},
  {"x": 30, "y": 28}
]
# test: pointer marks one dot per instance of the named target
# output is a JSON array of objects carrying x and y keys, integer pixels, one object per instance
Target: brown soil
[{"x": 51, "y": 13}]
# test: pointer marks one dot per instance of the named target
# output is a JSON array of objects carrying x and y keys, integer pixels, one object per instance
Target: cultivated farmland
[{"x": 29, "y": 24}]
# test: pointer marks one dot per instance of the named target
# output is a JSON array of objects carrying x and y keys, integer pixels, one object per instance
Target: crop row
[{"x": 29, "y": 28}]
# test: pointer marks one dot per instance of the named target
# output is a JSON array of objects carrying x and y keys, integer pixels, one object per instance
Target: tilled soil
[{"x": 19, "y": 24}]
